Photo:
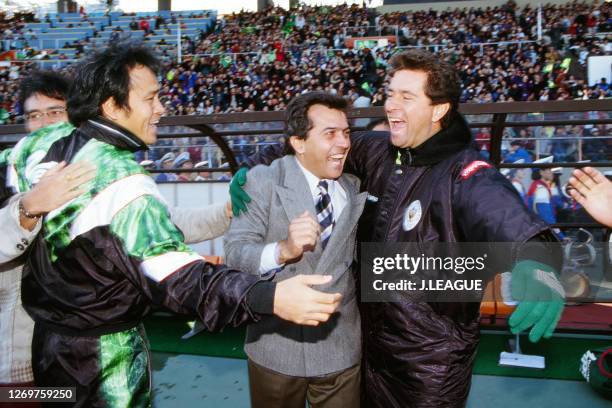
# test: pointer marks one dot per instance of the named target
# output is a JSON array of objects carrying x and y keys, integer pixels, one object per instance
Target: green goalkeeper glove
[{"x": 540, "y": 295}]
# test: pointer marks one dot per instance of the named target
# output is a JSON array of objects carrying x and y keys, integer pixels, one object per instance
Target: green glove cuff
[{"x": 237, "y": 194}]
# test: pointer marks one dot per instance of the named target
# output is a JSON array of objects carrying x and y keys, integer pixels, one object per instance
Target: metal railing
[
  {"x": 222, "y": 128},
  {"x": 373, "y": 30},
  {"x": 439, "y": 47},
  {"x": 541, "y": 145}
]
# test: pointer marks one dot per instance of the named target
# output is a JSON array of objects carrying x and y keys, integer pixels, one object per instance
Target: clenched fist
[{"x": 303, "y": 234}]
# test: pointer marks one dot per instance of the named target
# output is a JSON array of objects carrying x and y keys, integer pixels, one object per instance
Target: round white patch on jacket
[{"x": 412, "y": 216}]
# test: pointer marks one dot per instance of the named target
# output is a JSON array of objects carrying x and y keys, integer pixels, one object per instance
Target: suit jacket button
[{"x": 20, "y": 247}]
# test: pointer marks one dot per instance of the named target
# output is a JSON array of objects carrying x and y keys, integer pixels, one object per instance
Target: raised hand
[{"x": 593, "y": 191}]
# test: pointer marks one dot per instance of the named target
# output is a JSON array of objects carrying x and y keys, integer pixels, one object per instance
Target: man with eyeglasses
[{"x": 42, "y": 97}]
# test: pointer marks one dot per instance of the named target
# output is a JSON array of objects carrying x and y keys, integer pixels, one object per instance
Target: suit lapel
[{"x": 295, "y": 197}]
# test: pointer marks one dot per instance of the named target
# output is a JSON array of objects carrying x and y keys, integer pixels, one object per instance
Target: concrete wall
[{"x": 164, "y": 4}]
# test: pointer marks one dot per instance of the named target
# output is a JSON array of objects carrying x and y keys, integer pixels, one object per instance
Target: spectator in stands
[
  {"x": 362, "y": 99},
  {"x": 602, "y": 85},
  {"x": 202, "y": 175},
  {"x": 144, "y": 25},
  {"x": 166, "y": 163},
  {"x": 191, "y": 176},
  {"x": 563, "y": 149},
  {"x": 517, "y": 152},
  {"x": 594, "y": 149},
  {"x": 183, "y": 162},
  {"x": 159, "y": 21},
  {"x": 540, "y": 194}
]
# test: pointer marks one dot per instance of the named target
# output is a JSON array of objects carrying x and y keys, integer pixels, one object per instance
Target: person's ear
[
  {"x": 297, "y": 144},
  {"x": 110, "y": 109},
  {"x": 439, "y": 111}
]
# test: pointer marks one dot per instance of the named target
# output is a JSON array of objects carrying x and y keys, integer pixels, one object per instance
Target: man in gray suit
[{"x": 302, "y": 220}]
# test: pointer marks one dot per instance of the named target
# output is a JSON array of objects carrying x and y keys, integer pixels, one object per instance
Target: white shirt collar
[{"x": 313, "y": 183}]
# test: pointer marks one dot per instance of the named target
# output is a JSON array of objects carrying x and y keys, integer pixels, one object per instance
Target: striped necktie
[{"x": 325, "y": 214}]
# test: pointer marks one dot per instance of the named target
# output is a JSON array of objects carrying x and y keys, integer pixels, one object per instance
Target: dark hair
[
  {"x": 443, "y": 84},
  {"x": 48, "y": 83},
  {"x": 106, "y": 74},
  {"x": 297, "y": 121}
]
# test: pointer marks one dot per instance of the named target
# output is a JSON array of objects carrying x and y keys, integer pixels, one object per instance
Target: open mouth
[
  {"x": 396, "y": 124},
  {"x": 337, "y": 159}
]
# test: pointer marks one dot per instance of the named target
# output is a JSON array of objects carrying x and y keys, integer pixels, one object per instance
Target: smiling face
[
  {"x": 145, "y": 109},
  {"x": 41, "y": 110},
  {"x": 412, "y": 117},
  {"x": 326, "y": 146}
]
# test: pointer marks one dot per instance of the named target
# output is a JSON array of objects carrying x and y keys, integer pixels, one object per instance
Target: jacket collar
[
  {"x": 109, "y": 132},
  {"x": 455, "y": 137}
]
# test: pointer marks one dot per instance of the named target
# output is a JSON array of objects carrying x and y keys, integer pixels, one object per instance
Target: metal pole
[
  {"x": 539, "y": 27},
  {"x": 179, "y": 53},
  {"x": 397, "y": 39}
]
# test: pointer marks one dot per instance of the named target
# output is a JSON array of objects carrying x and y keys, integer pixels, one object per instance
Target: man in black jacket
[{"x": 427, "y": 183}]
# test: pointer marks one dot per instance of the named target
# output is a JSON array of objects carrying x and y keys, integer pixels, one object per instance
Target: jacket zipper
[{"x": 395, "y": 202}]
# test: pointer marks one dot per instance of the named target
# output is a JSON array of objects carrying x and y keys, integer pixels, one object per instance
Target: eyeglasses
[{"x": 53, "y": 113}]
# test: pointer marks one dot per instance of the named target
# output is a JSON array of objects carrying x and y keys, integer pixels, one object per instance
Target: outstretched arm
[
  {"x": 22, "y": 214},
  {"x": 203, "y": 223}
]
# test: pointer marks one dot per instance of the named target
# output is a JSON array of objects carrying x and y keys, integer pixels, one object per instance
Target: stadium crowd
[{"x": 260, "y": 61}]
